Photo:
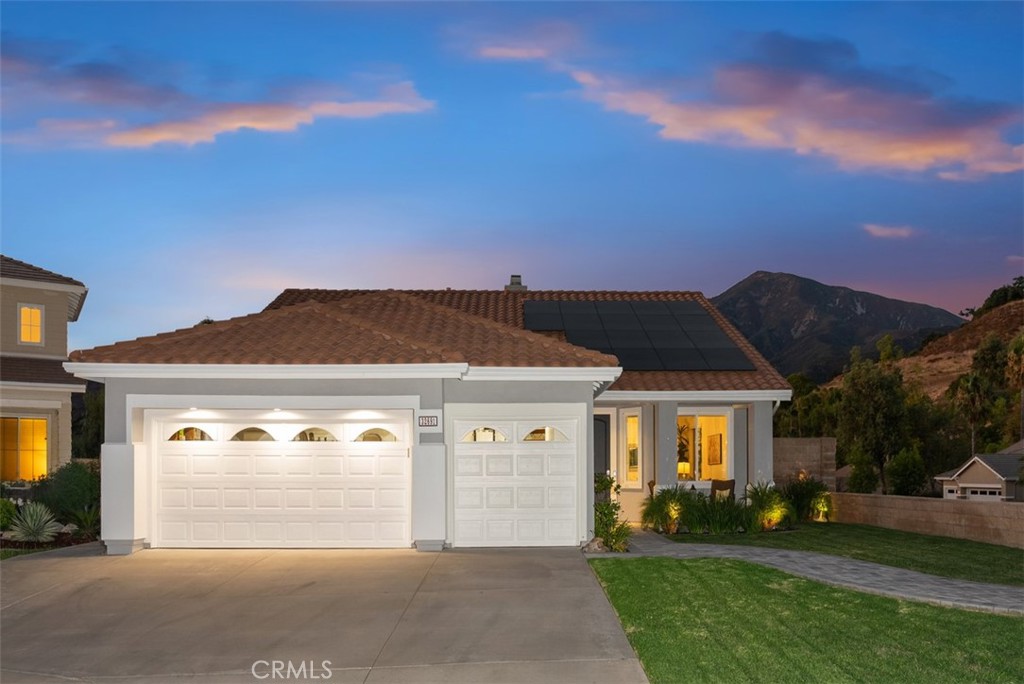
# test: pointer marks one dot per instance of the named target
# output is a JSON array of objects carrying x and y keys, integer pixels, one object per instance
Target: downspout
[{"x": 776, "y": 403}]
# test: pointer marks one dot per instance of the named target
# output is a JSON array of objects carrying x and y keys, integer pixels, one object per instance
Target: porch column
[
  {"x": 740, "y": 451},
  {"x": 761, "y": 464},
  {"x": 665, "y": 454}
]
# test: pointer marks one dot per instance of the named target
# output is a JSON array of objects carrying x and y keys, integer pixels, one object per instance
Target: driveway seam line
[{"x": 405, "y": 610}]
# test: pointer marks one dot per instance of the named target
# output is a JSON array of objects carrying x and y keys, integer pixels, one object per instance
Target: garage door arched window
[
  {"x": 376, "y": 435},
  {"x": 484, "y": 434},
  {"x": 546, "y": 434},
  {"x": 190, "y": 434},
  {"x": 314, "y": 434},
  {"x": 252, "y": 434}
]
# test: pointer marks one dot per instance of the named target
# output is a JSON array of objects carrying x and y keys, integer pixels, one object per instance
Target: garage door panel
[
  {"x": 282, "y": 494},
  {"x": 516, "y": 493}
]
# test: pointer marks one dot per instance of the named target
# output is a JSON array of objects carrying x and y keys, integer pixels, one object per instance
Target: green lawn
[
  {"x": 11, "y": 553},
  {"x": 941, "y": 556},
  {"x": 715, "y": 620}
]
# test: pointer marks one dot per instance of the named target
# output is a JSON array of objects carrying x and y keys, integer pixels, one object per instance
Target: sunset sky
[{"x": 190, "y": 159}]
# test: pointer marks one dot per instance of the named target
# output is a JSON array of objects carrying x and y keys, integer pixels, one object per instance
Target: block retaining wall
[
  {"x": 815, "y": 456},
  {"x": 993, "y": 522}
]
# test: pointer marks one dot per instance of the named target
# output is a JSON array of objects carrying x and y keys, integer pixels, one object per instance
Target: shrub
[
  {"x": 7, "y": 512},
  {"x": 69, "y": 489},
  {"x": 801, "y": 493},
  {"x": 863, "y": 476},
  {"x": 769, "y": 509},
  {"x": 906, "y": 474},
  {"x": 822, "y": 506},
  {"x": 87, "y": 521},
  {"x": 706, "y": 515},
  {"x": 665, "y": 510},
  {"x": 34, "y": 523},
  {"x": 614, "y": 533}
]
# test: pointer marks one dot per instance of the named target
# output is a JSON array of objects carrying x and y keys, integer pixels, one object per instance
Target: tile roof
[
  {"x": 506, "y": 307},
  {"x": 43, "y": 371},
  {"x": 12, "y": 268},
  {"x": 382, "y": 327},
  {"x": 20, "y": 270}
]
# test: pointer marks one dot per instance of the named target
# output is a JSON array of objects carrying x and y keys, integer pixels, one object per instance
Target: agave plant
[
  {"x": 87, "y": 520},
  {"x": 34, "y": 523}
]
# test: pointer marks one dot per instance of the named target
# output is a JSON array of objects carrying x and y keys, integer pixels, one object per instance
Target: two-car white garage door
[{"x": 215, "y": 492}]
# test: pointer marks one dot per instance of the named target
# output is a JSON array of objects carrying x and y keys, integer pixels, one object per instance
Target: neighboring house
[
  {"x": 36, "y": 306},
  {"x": 986, "y": 477},
  {"x": 343, "y": 418}
]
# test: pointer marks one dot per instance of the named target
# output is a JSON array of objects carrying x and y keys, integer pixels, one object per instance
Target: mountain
[
  {"x": 803, "y": 326},
  {"x": 943, "y": 360}
]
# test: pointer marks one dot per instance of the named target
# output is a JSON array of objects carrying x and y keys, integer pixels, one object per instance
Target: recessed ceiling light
[
  {"x": 192, "y": 408},
  {"x": 277, "y": 409}
]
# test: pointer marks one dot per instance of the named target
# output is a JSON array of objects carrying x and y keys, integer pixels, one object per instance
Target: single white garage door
[
  {"x": 516, "y": 483},
  {"x": 326, "y": 485}
]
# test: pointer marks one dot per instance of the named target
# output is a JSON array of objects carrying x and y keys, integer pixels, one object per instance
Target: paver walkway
[{"x": 847, "y": 572}]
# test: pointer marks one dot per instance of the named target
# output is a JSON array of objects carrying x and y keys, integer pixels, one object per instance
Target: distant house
[
  {"x": 36, "y": 306},
  {"x": 986, "y": 477}
]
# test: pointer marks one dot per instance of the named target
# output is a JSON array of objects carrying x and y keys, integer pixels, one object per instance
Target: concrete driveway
[{"x": 510, "y": 615}]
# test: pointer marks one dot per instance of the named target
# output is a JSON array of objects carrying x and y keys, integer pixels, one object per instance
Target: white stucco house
[{"x": 427, "y": 418}]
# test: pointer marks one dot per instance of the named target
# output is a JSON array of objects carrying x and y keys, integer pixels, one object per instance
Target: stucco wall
[
  {"x": 983, "y": 521},
  {"x": 815, "y": 456},
  {"x": 55, "y": 321}
]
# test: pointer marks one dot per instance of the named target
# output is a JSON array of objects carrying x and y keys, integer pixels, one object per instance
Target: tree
[
  {"x": 863, "y": 477},
  {"x": 969, "y": 394},
  {"x": 1015, "y": 373},
  {"x": 906, "y": 472},
  {"x": 990, "y": 360},
  {"x": 888, "y": 350},
  {"x": 87, "y": 431},
  {"x": 873, "y": 412}
]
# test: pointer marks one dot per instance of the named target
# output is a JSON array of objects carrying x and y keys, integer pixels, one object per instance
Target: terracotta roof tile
[
  {"x": 13, "y": 268},
  {"x": 383, "y": 327},
  {"x": 43, "y": 371},
  {"x": 506, "y": 307}
]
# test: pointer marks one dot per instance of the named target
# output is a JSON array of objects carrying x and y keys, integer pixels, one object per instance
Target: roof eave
[
  {"x": 698, "y": 395},
  {"x": 408, "y": 371}
]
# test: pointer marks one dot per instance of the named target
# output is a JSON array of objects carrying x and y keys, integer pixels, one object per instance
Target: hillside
[
  {"x": 943, "y": 360},
  {"x": 805, "y": 326}
]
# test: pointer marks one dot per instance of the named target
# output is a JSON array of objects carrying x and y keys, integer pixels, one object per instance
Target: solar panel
[
  {"x": 639, "y": 359},
  {"x": 629, "y": 339},
  {"x": 658, "y": 322},
  {"x": 683, "y": 360},
  {"x": 620, "y": 321},
  {"x": 533, "y": 320},
  {"x": 670, "y": 339},
  {"x": 582, "y": 321},
  {"x": 643, "y": 335}
]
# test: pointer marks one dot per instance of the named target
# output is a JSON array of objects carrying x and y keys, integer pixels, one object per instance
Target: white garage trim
[
  {"x": 515, "y": 420},
  {"x": 248, "y": 371}
]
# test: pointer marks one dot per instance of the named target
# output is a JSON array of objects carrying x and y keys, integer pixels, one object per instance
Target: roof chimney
[{"x": 515, "y": 284}]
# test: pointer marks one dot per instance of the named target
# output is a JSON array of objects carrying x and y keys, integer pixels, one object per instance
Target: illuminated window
[
  {"x": 633, "y": 454},
  {"x": 484, "y": 434},
  {"x": 23, "y": 448},
  {"x": 314, "y": 434},
  {"x": 546, "y": 434},
  {"x": 252, "y": 434},
  {"x": 376, "y": 435},
  {"x": 702, "y": 447},
  {"x": 190, "y": 434},
  {"x": 30, "y": 319}
]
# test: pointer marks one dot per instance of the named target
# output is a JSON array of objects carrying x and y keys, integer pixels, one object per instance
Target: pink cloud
[
  {"x": 889, "y": 232},
  {"x": 815, "y": 98},
  {"x": 267, "y": 117},
  {"x": 513, "y": 52}
]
